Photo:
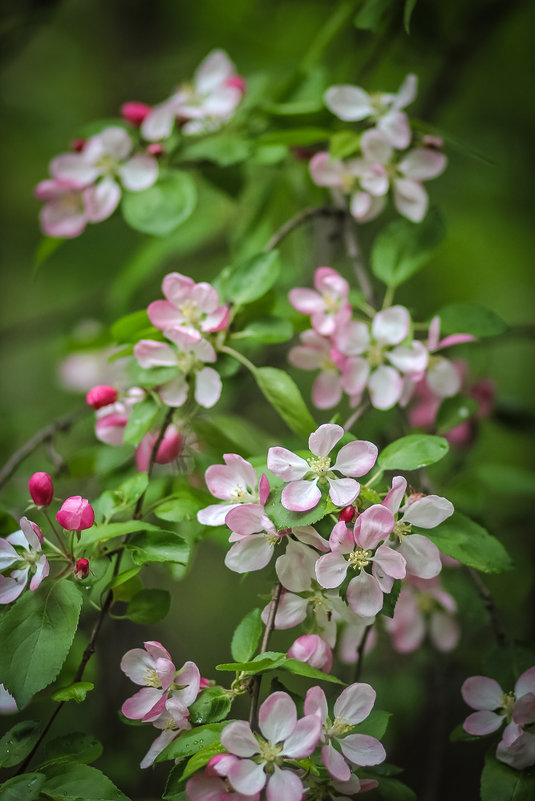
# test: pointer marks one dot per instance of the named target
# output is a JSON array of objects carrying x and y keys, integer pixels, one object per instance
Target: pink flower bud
[
  {"x": 135, "y": 112},
  {"x": 38, "y": 532},
  {"x": 78, "y": 145},
  {"x": 237, "y": 82},
  {"x": 347, "y": 514},
  {"x": 311, "y": 648},
  {"x": 76, "y": 514},
  {"x": 204, "y": 683},
  {"x": 41, "y": 489},
  {"x": 169, "y": 448},
  {"x": 155, "y": 149},
  {"x": 82, "y": 569},
  {"x": 100, "y": 396}
]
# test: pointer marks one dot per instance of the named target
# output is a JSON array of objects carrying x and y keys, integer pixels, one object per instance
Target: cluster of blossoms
[
  {"x": 380, "y": 356},
  {"x": 21, "y": 553},
  {"x": 494, "y": 707},
  {"x": 85, "y": 185},
  {"x": 380, "y": 547},
  {"x": 388, "y": 158}
]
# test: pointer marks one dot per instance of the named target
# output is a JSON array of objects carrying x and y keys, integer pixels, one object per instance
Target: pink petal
[
  {"x": 373, "y": 526},
  {"x": 208, "y": 386},
  {"x": 157, "y": 747},
  {"x": 410, "y": 199},
  {"x": 299, "y": 496},
  {"x": 316, "y": 703},
  {"x": 444, "y": 631},
  {"x": 361, "y": 749},
  {"x": 407, "y": 92},
  {"x": 343, "y": 491},
  {"x": 284, "y": 785},
  {"x": 443, "y": 378},
  {"x": 422, "y": 556},
  {"x": 304, "y": 738},
  {"x": 341, "y": 539},
  {"x": 295, "y": 568},
  {"x": 291, "y": 611},
  {"x": 41, "y": 572},
  {"x": 523, "y": 710},
  {"x": 374, "y": 179},
  {"x": 322, "y": 441},
  {"x": 421, "y": 164},
  {"x": 356, "y": 458},
  {"x": 395, "y": 126},
  {"x": 8, "y": 555},
  {"x": 150, "y": 353},
  {"x": 75, "y": 169},
  {"x": 217, "y": 320},
  {"x": 385, "y": 386},
  {"x": 390, "y": 561},
  {"x": 309, "y": 536},
  {"x": 375, "y": 146},
  {"x": 349, "y": 103},
  {"x": 158, "y": 123},
  {"x": 139, "y": 173},
  {"x": 327, "y": 390},
  {"x": 12, "y": 586},
  {"x": 331, "y": 570},
  {"x": 205, "y": 788},
  {"x": 65, "y": 217},
  {"x": 391, "y": 326},
  {"x": 483, "y": 722},
  {"x": 412, "y": 360},
  {"x": 364, "y": 595},
  {"x": 482, "y": 693},
  {"x": 249, "y": 554},
  {"x": 521, "y": 754},
  {"x": 238, "y": 738},
  {"x": 355, "y": 375},
  {"x": 326, "y": 171},
  {"x": 144, "y": 704},
  {"x": 355, "y": 703},
  {"x": 277, "y": 717},
  {"x": 525, "y": 683},
  {"x": 306, "y": 301},
  {"x": 335, "y": 763},
  {"x": 175, "y": 392},
  {"x": 428, "y": 512},
  {"x": 246, "y": 776},
  {"x": 395, "y": 496},
  {"x": 364, "y": 207},
  {"x": 248, "y": 518},
  {"x": 286, "y": 465},
  {"x": 215, "y": 515}
]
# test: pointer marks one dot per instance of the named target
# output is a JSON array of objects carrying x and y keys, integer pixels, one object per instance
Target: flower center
[
  {"x": 338, "y": 728},
  {"x": 508, "y": 702},
  {"x": 359, "y": 558},
  {"x": 319, "y": 466},
  {"x": 243, "y": 495},
  {"x": 401, "y": 530},
  {"x": 190, "y": 312},
  {"x": 375, "y": 355},
  {"x": 426, "y": 604},
  {"x": 151, "y": 679},
  {"x": 107, "y": 163},
  {"x": 332, "y": 302},
  {"x": 269, "y": 751}
]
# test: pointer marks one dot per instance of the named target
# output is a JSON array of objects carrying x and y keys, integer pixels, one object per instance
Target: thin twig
[
  {"x": 490, "y": 605},
  {"x": 360, "y": 651},
  {"x": 300, "y": 219},
  {"x": 61, "y": 425},
  {"x": 353, "y": 251},
  {"x": 355, "y": 416},
  {"x": 255, "y": 684}
]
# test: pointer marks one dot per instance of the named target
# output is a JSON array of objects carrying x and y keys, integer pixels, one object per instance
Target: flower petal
[
  {"x": 385, "y": 385},
  {"x": 343, "y": 491},
  {"x": 422, "y": 556},
  {"x": 277, "y": 717},
  {"x": 331, "y": 569},
  {"x": 364, "y": 595},
  {"x": 356, "y": 458},
  {"x": 480, "y": 692},
  {"x": 355, "y": 703},
  {"x": 349, "y": 103},
  {"x": 238, "y": 738},
  {"x": 482, "y": 722},
  {"x": 284, "y": 785},
  {"x": 286, "y": 465},
  {"x": 428, "y": 512},
  {"x": 322, "y": 441},
  {"x": 361, "y": 749},
  {"x": 335, "y": 763},
  {"x": 299, "y": 496},
  {"x": 304, "y": 738}
]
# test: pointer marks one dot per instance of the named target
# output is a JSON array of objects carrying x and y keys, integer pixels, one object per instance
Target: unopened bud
[
  {"x": 41, "y": 489},
  {"x": 82, "y": 569},
  {"x": 347, "y": 514},
  {"x": 78, "y": 145},
  {"x": 100, "y": 396},
  {"x": 155, "y": 149},
  {"x": 76, "y": 514},
  {"x": 135, "y": 112}
]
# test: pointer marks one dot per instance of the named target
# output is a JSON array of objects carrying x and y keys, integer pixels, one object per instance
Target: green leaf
[
  {"x": 247, "y": 636},
  {"x": 212, "y": 705},
  {"x": 227, "y": 434},
  {"x": 46, "y": 247},
  {"x": 148, "y": 606},
  {"x": 295, "y": 137},
  {"x": 499, "y": 782},
  {"x": 250, "y": 279},
  {"x": 36, "y": 635},
  {"x": 454, "y": 411},
  {"x": 142, "y": 416},
  {"x": 284, "y": 395},
  {"x": 132, "y": 489},
  {"x": 75, "y": 745},
  {"x": 266, "y": 661},
  {"x": 508, "y": 479},
  {"x": 375, "y": 724},
  {"x": 184, "y": 505},
  {"x": 394, "y": 790},
  {"x": 17, "y": 743},
  {"x": 200, "y": 759},
  {"x": 470, "y": 318},
  {"x": 222, "y": 149},
  {"x": 133, "y": 327},
  {"x": 163, "y": 207},
  {"x": 460, "y": 735},
  {"x": 159, "y": 546},
  {"x": 174, "y": 786},
  {"x": 412, "y": 452},
  {"x": 109, "y": 531},
  {"x": 192, "y": 741},
  {"x": 407, "y": 14},
  {"x": 343, "y": 144},
  {"x": 26, "y": 787},
  {"x": 72, "y": 781},
  {"x": 270, "y": 330},
  {"x": 391, "y": 599},
  {"x": 74, "y": 692},
  {"x": 284, "y": 518},
  {"x": 470, "y": 543},
  {"x": 304, "y": 669},
  {"x": 403, "y": 247},
  {"x": 371, "y": 14}
]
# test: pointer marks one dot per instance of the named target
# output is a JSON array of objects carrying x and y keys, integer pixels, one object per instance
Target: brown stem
[
  {"x": 360, "y": 652},
  {"x": 91, "y": 646},
  {"x": 490, "y": 606},
  {"x": 255, "y": 684},
  {"x": 300, "y": 219},
  {"x": 61, "y": 425}
]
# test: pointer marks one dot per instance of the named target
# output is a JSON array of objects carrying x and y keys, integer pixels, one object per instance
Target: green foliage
[
  {"x": 200, "y": 759},
  {"x": 184, "y": 505},
  {"x": 162, "y": 207},
  {"x": 266, "y": 661},
  {"x": 26, "y": 787},
  {"x": 343, "y": 144},
  {"x": 159, "y": 546},
  {"x": 130, "y": 328},
  {"x": 284, "y": 395},
  {"x": 75, "y": 745},
  {"x": 304, "y": 669},
  {"x": 394, "y": 790},
  {"x": 507, "y": 479},
  {"x": 247, "y": 636},
  {"x": 250, "y": 279},
  {"x": 142, "y": 416},
  {"x": 192, "y": 741},
  {"x": 470, "y": 318},
  {"x": 407, "y": 14},
  {"x": 391, "y": 599},
  {"x": 284, "y": 518},
  {"x": 454, "y": 411},
  {"x": 223, "y": 149},
  {"x": 295, "y": 137},
  {"x": 212, "y": 705},
  {"x": 270, "y": 330},
  {"x": 36, "y": 635},
  {"x": 375, "y": 724},
  {"x": 499, "y": 782},
  {"x": 470, "y": 543},
  {"x": 148, "y": 606},
  {"x": 403, "y": 248},
  {"x": 72, "y": 781},
  {"x": 226, "y": 434},
  {"x": 412, "y": 452},
  {"x": 370, "y": 16},
  {"x": 17, "y": 743},
  {"x": 74, "y": 692}
]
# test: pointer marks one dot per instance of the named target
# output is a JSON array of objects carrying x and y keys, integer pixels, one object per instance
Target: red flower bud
[
  {"x": 100, "y": 396},
  {"x": 237, "y": 82},
  {"x": 41, "y": 489},
  {"x": 347, "y": 514},
  {"x": 82, "y": 569},
  {"x": 76, "y": 514},
  {"x": 78, "y": 145},
  {"x": 135, "y": 112},
  {"x": 155, "y": 149}
]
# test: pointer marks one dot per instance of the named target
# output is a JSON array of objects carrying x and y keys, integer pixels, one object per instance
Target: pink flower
[
  {"x": 173, "y": 719},
  {"x": 41, "y": 489},
  {"x": 191, "y": 308},
  {"x": 352, "y": 706},
  {"x": 494, "y": 707},
  {"x": 82, "y": 569},
  {"x": 64, "y": 214},
  {"x": 254, "y": 538},
  {"x": 283, "y": 737},
  {"x": 302, "y": 493},
  {"x": 313, "y": 650},
  {"x": 316, "y": 353},
  {"x": 328, "y": 304},
  {"x": 210, "y": 784},
  {"x": 20, "y": 553},
  {"x": 422, "y": 555},
  {"x": 168, "y": 450},
  {"x": 442, "y": 376},
  {"x": 423, "y": 603},
  {"x": 236, "y": 482},
  {"x": 112, "y": 419},
  {"x": 135, "y": 112},
  {"x": 355, "y": 550},
  {"x": 76, "y": 514},
  {"x": 101, "y": 396}
]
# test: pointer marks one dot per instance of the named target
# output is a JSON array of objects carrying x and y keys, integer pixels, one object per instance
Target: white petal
[{"x": 349, "y": 103}]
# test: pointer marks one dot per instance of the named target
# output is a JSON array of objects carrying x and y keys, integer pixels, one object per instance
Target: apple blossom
[
  {"x": 41, "y": 489},
  {"x": 302, "y": 493},
  {"x": 494, "y": 707},
  {"x": 82, "y": 569},
  {"x": 236, "y": 482},
  {"x": 193, "y": 309},
  {"x": 316, "y": 353},
  {"x": 76, "y": 514},
  {"x": 254, "y": 538},
  {"x": 442, "y": 376},
  {"x": 135, "y": 112},
  {"x": 173, "y": 719},
  {"x": 111, "y": 420},
  {"x": 327, "y": 304},
  {"x": 313, "y": 650},
  {"x": 352, "y": 706},
  {"x": 64, "y": 214},
  {"x": 212, "y": 783},
  {"x": 20, "y": 554},
  {"x": 423, "y": 603},
  {"x": 262, "y": 758}
]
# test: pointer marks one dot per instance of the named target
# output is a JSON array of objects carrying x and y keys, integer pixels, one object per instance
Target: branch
[
  {"x": 360, "y": 652},
  {"x": 490, "y": 605},
  {"x": 300, "y": 219},
  {"x": 255, "y": 684},
  {"x": 46, "y": 434},
  {"x": 353, "y": 251}
]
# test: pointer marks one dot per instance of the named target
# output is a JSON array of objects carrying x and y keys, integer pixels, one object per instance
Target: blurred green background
[{"x": 65, "y": 64}]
